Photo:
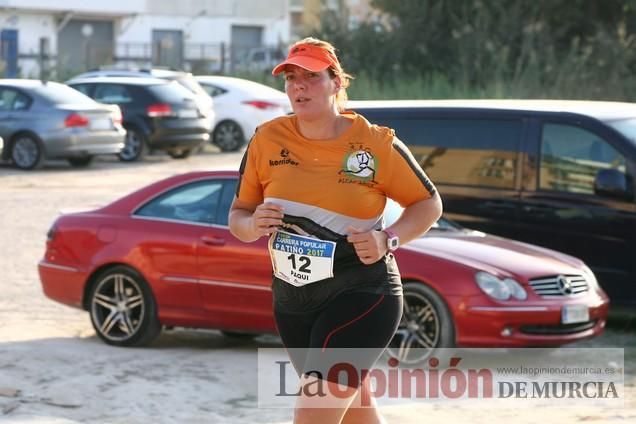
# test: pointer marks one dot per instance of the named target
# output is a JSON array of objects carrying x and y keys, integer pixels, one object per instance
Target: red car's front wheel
[{"x": 122, "y": 308}]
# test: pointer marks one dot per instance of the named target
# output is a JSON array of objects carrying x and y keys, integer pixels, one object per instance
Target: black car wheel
[
  {"x": 228, "y": 136},
  {"x": 122, "y": 308},
  {"x": 426, "y": 325},
  {"x": 26, "y": 152},
  {"x": 180, "y": 153},
  {"x": 80, "y": 162},
  {"x": 134, "y": 146}
]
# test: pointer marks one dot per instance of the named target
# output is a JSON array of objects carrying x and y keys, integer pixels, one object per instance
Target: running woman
[{"x": 316, "y": 183}]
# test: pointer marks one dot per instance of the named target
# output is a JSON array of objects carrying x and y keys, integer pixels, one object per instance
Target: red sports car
[{"x": 164, "y": 256}]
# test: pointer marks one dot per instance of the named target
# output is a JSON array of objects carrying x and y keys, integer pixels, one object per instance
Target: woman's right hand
[{"x": 266, "y": 218}]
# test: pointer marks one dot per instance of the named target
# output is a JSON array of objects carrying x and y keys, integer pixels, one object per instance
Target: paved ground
[{"x": 54, "y": 370}]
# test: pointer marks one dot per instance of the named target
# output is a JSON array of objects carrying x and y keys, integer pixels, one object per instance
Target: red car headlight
[
  {"x": 591, "y": 278},
  {"x": 500, "y": 289}
]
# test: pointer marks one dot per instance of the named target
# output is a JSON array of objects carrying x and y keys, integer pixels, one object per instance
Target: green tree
[
  {"x": 538, "y": 48},
  {"x": 472, "y": 40}
]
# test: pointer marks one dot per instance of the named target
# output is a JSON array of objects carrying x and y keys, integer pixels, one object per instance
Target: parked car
[
  {"x": 40, "y": 120},
  {"x": 240, "y": 106},
  {"x": 558, "y": 174},
  {"x": 164, "y": 256},
  {"x": 186, "y": 79},
  {"x": 157, "y": 114}
]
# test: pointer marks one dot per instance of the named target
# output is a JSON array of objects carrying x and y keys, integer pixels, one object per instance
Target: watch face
[{"x": 393, "y": 243}]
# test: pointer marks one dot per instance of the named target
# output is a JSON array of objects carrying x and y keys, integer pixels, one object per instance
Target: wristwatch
[{"x": 392, "y": 240}]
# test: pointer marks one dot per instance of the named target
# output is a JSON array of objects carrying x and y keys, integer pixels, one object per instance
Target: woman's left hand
[{"x": 370, "y": 245}]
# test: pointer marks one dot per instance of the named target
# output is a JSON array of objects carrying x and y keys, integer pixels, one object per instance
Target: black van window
[
  {"x": 479, "y": 152},
  {"x": 571, "y": 157}
]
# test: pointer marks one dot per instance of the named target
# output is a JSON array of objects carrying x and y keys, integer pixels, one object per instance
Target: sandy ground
[{"x": 53, "y": 369}]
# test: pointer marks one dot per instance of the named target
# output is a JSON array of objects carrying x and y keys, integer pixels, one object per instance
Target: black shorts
[
  {"x": 351, "y": 275},
  {"x": 353, "y": 328}
]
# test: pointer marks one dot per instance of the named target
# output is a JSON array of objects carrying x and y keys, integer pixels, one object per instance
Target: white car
[{"x": 240, "y": 106}]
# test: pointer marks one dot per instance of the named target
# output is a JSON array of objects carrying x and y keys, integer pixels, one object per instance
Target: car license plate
[
  {"x": 572, "y": 314},
  {"x": 190, "y": 113},
  {"x": 101, "y": 124}
]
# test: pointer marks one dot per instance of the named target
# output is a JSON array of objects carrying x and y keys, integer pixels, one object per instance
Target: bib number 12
[{"x": 304, "y": 261}]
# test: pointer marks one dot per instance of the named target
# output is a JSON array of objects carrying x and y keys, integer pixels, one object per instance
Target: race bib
[{"x": 301, "y": 260}]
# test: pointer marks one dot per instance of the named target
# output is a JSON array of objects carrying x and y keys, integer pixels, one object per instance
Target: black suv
[
  {"x": 158, "y": 114},
  {"x": 554, "y": 173},
  {"x": 186, "y": 79}
]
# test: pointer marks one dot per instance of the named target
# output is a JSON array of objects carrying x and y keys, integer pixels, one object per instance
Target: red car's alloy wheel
[
  {"x": 122, "y": 308},
  {"x": 426, "y": 324}
]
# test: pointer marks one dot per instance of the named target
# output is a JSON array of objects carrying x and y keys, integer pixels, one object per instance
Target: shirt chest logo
[
  {"x": 284, "y": 159},
  {"x": 359, "y": 165}
]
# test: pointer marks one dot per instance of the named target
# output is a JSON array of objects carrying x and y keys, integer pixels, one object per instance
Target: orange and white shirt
[{"x": 335, "y": 183}]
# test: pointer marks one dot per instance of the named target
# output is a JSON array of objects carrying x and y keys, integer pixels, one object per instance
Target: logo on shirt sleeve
[{"x": 359, "y": 166}]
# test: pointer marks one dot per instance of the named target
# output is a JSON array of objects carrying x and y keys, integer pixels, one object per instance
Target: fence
[{"x": 198, "y": 58}]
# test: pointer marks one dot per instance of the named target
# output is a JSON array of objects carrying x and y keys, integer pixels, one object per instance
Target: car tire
[
  {"x": 180, "y": 153},
  {"x": 426, "y": 325},
  {"x": 228, "y": 136},
  {"x": 135, "y": 146},
  {"x": 80, "y": 162},
  {"x": 122, "y": 308},
  {"x": 26, "y": 152}
]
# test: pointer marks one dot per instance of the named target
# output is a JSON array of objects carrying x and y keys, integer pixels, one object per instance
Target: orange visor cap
[{"x": 307, "y": 56}]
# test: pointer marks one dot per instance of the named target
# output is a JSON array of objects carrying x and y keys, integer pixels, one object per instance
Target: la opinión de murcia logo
[{"x": 434, "y": 383}]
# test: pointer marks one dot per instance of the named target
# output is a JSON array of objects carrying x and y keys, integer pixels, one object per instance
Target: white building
[{"x": 74, "y": 35}]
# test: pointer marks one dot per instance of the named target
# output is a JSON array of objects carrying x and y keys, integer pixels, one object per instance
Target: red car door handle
[{"x": 213, "y": 241}]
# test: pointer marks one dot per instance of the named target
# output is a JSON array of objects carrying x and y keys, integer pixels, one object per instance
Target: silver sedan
[{"x": 44, "y": 119}]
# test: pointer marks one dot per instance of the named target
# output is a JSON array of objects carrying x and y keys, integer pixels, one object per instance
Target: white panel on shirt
[{"x": 334, "y": 221}]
